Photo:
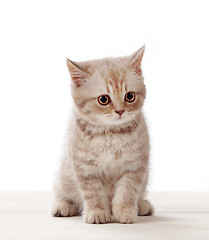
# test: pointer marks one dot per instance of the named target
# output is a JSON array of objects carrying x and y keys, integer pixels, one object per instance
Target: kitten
[{"x": 104, "y": 171}]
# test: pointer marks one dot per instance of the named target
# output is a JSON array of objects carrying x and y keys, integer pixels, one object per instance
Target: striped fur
[{"x": 104, "y": 171}]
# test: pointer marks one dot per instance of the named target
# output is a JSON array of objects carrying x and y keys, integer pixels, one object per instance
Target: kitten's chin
[
  {"x": 105, "y": 122},
  {"x": 117, "y": 121}
]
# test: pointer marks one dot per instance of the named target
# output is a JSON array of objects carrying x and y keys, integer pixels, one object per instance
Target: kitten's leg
[
  {"x": 145, "y": 208},
  {"x": 68, "y": 200},
  {"x": 124, "y": 203},
  {"x": 96, "y": 203}
]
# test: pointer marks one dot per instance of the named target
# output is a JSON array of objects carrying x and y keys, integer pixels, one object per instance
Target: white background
[{"x": 37, "y": 36}]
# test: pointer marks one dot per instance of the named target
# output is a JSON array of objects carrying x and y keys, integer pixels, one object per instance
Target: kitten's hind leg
[
  {"x": 145, "y": 208},
  {"x": 63, "y": 208}
]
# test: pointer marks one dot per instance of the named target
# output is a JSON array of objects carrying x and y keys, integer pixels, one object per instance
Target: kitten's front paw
[
  {"x": 145, "y": 208},
  {"x": 61, "y": 208},
  {"x": 97, "y": 216},
  {"x": 125, "y": 215}
]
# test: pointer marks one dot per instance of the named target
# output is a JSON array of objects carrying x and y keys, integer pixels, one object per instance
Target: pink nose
[{"x": 120, "y": 112}]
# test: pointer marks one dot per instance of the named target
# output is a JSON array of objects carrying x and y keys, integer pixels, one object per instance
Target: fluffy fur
[{"x": 104, "y": 171}]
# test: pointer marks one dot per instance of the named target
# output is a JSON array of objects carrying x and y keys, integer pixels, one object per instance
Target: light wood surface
[{"x": 24, "y": 216}]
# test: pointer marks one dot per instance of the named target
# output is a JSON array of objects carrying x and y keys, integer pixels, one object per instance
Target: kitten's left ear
[
  {"x": 77, "y": 74},
  {"x": 137, "y": 59}
]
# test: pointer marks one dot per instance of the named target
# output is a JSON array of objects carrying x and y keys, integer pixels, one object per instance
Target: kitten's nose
[{"x": 120, "y": 112}]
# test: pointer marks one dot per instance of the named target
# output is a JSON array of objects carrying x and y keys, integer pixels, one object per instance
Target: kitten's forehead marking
[
  {"x": 106, "y": 81},
  {"x": 116, "y": 80}
]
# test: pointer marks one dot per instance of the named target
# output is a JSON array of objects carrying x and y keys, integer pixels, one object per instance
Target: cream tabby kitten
[{"x": 104, "y": 171}]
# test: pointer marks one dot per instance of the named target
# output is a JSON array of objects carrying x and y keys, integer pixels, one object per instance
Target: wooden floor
[{"x": 24, "y": 216}]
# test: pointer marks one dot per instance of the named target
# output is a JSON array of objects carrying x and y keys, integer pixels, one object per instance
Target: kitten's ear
[
  {"x": 78, "y": 76},
  {"x": 136, "y": 60}
]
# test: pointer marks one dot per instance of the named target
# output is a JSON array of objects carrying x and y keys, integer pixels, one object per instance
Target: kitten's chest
[
  {"x": 112, "y": 152},
  {"x": 112, "y": 144}
]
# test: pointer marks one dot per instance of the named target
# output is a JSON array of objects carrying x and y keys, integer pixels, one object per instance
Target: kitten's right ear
[
  {"x": 136, "y": 60},
  {"x": 78, "y": 76}
]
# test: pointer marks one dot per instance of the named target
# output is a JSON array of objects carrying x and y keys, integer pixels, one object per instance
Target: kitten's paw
[
  {"x": 145, "y": 208},
  {"x": 63, "y": 208},
  {"x": 125, "y": 215},
  {"x": 97, "y": 216}
]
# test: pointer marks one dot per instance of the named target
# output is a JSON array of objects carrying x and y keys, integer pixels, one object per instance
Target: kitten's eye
[
  {"x": 104, "y": 99},
  {"x": 130, "y": 96}
]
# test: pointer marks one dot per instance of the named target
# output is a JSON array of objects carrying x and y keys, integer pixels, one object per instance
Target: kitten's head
[{"x": 108, "y": 91}]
